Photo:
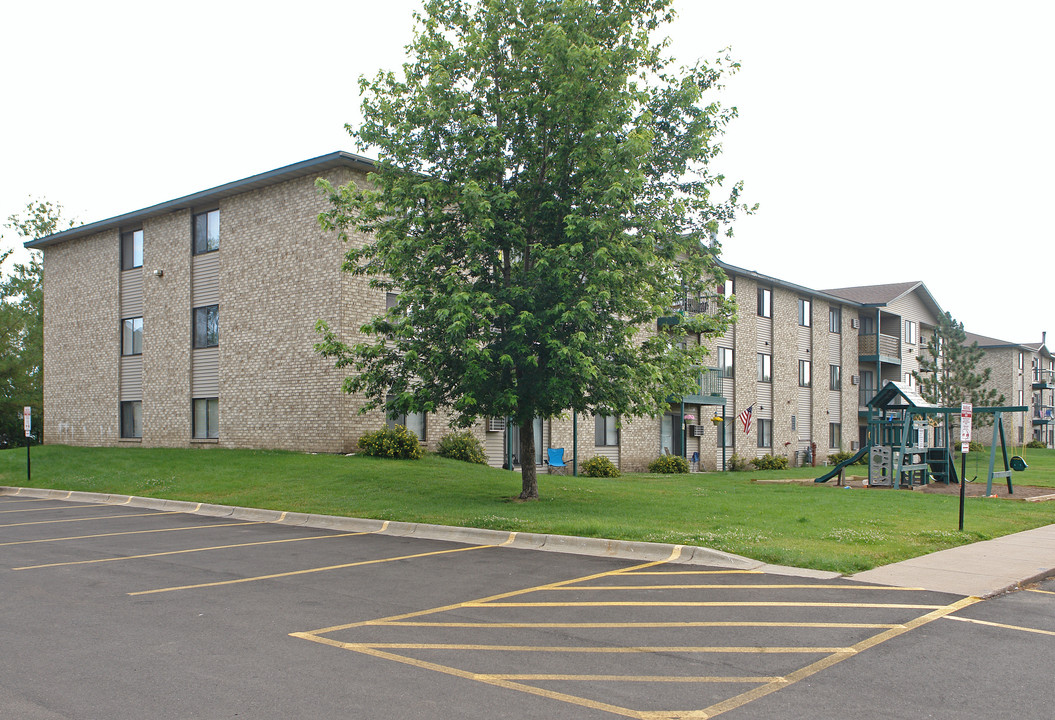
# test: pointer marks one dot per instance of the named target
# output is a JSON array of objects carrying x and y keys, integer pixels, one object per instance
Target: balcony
[
  {"x": 864, "y": 395},
  {"x": 689, "y": 305},
  {"x": 1043, "y": 414},
  {"x": 1043, "y": 379},
  {"x": 710, "y": 390},
  {"x": 879, "y": 348}
]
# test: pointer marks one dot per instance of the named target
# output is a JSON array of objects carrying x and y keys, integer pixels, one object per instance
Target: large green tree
[
  {"x": 948, "y": 372},
  {"x": 22, "y": 322},
  {"x": 543, "y": 193}
]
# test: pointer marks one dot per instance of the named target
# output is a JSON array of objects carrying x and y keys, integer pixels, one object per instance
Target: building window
[
  {"x": 726, "y": 431},
  {"x": 804, "y": 312},
  {"x": 132, "y": 419},
  {"x": 206, "y": 326},
  {"x": 835, "y": 378},
  {"x": 131, "y": 249},
  {"x": 765, "y": 433},
  {"x": 725, "y": 362},
  {"x": 1021, "y": 361},
  {"x": 206, "y": 232},
  {"x": 726, "y": 289},
  {"x": 835, "y": 320},
  {"x": 909, "y": 380},
  {"x": 414, "y": 422},
  {"x": 132, "y": 336},
  {"x": 765, "y": 302},
  {"x": 868, "y": 325},
  {"x": 835, "y": 435},
  {"x": 206, "y": 417},
  {"x": 805, "y": 374},
  {"x": 765, "y": 367},
  {"x": 910, "y": 332},
  {"x": 605, "y": 430},
  {"x": 391, "y": 300}
]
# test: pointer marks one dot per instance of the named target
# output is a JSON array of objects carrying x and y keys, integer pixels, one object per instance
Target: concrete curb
[{"x": 597, "y": 547}]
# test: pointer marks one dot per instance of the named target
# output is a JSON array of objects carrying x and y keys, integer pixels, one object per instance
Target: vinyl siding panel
[
  {"x": 205, "y": 279},
  {"x": 131, "y": 382},
  {"x": 131, "y": 301},
  {"x": 205, "y": 372}
]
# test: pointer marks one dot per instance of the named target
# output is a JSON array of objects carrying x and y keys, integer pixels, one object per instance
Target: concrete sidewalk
[{"x": 981, "y": 569}]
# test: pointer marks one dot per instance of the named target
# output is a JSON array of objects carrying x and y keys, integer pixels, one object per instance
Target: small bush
[
  {"x": 462, "y": 446},
  {"x": 837, "y": 457},
  {"x": 976, "y": 446},
  {"x": 737, "y": 463},
  {"x": 1035, "y": 445},
  {"x": 397, "y": 442},
  {"x": 599, "y": 466},
  {"x": 770, "y": 462},
  {"x": 669, "y": 464}
]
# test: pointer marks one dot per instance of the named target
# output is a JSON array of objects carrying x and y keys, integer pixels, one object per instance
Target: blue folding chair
[
  {"x": 556, "y": 457},
  {"x": 695, "y": 462}
]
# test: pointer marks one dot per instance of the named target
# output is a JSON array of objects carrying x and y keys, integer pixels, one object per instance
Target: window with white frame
[
  {"x": 805, "y": 374},
  {"x": 132, "y": 419},
  {"x": 765, "y": 433},
  {"x": 131, "y": 249},
  {"x": 835, "y": 435},
  {"x": 835, "y": 377},
  {"x": 910, "y": 332},
  {"x": 206, "y": 232},
  {"x": 835, "y": 320},
  {"x": 205, "y": 418},
  {"x": 765, "y": 302},
  {"x": 132, "y": 336}
]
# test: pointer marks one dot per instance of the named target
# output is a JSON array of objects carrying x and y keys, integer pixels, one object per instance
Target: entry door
[
  {"x": 671, "y": 435},
  {"x": 539, "y": 449}
]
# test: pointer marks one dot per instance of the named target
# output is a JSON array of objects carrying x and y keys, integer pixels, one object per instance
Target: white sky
[{"x": 885, "y": 142}]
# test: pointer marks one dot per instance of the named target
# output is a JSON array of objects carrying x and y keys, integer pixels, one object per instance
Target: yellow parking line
[
  {"x": 705, "y": 649},
  {"x": 1046, "y": 592},
  {"x": 627, "y": 625},
  {"x": 128, "y": 532},
  {"x": 637, "y": 678},
  {"x": 695, "y": 572},
  {"x": 313, "y": 570},
  {"x": 658, "y": 603},
  {"x": 490, "y": 680},
  {"x": 181, "y": 552},
  {"x": 56, "y": 507},
  {"x": 1001, "y": 625},
  {"x": 814, "y": 668},
  {"x": 674, "y": 555},
  {"x": 21, "y": 500},
  {"x": 88, "y": 519},
  {"x": 736, "y": 587}
]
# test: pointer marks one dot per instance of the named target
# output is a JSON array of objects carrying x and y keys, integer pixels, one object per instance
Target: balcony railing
[
  {"x": 1043, "y": 414},
  {"x": 864, "y": 395},
  {"x": 695, "y": 305},
  {"x": 888, "y": 345},
  {"x": 711, "y": 382},
  {"x": 1045, "y": 378}
]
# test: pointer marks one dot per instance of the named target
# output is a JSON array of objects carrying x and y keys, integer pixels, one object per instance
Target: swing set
[{"x": 908, "y": 442}]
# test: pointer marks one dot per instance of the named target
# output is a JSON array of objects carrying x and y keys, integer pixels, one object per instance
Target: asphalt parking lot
[{"x": 110, "y": 611}]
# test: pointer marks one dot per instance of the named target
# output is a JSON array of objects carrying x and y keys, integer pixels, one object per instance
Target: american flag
[{"x": 745, "y": 418}]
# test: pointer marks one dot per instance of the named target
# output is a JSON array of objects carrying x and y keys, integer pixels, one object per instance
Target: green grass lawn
[{"x": 820, "y": 526}]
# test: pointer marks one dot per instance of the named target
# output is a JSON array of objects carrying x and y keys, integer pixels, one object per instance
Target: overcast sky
[{"x": 885, "y": 142}]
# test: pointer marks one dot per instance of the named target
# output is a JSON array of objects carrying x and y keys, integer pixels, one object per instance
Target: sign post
[
  {"x": 966, "y": 415},
  {"x": 27, "y": 422}
]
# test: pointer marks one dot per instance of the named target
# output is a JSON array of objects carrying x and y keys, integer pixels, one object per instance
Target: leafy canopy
[{"x": 542, "y": 194}]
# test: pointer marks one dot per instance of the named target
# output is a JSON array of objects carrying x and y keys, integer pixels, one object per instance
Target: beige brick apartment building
[{"x": 191, "y": 323}]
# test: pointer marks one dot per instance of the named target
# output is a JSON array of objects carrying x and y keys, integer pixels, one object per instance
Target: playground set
[{"x": 908, "y": 442}]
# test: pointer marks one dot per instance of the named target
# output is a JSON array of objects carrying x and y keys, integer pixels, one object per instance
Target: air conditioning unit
[
  {"x": 855, "y": 323},
  {"x": 697, "y": 430},
  {"x": 855, "y": 379},
  {"x": 496, "y": 424}
]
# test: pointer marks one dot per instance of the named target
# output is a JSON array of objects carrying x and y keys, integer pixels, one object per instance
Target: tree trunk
[{"x": 529, "y": 486}]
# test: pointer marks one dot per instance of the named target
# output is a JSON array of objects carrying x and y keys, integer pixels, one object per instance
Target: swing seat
[{"x": 1018, "y": 464}]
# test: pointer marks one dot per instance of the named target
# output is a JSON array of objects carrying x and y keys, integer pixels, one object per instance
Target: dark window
[
  {"x": 414, "y": 422},
  {"x": 835, "y": 378},
  {"x": 206, "y": 326},
  {"x": 725, "y": 362},
  {"x": 725, "y": 432},
  {"x": 765, "y": 302},
  {"x": 765, "y": 433},
  {"x": 605, "y": 430},
  {"x": 206, "y": 232},
  {"x": 132, "y": 419},
  {"x": 131, "y": 249},
  {"x": 805, "y": 379},
  {"x": 132, "y": 336},
  {"x": 206, "y": 417},
  {"x": 835, "y": 435},
  {"x": 804, "y": 312},
  {"x": 835, "y": 320},
  {"x": 391, "y": 300},
  {"x": 765, "y": 367}
]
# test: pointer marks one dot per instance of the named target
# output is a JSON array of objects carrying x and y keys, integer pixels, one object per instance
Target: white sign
[
  {"x": 966, "y": 418},
  {"x": 27, "y": 419}
]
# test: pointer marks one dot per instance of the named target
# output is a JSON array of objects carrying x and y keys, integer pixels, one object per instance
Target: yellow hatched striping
[
  {"x": 701, "y": 603},
  {"x": 128, "y": 532},
  {"x": 1038, "y": 631},
  {"x": 92, "y": 519},
  {"x": 719, "y": 586},
  {"x": 609, "y": 625},
  {"x": 645, "y": 649}
]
